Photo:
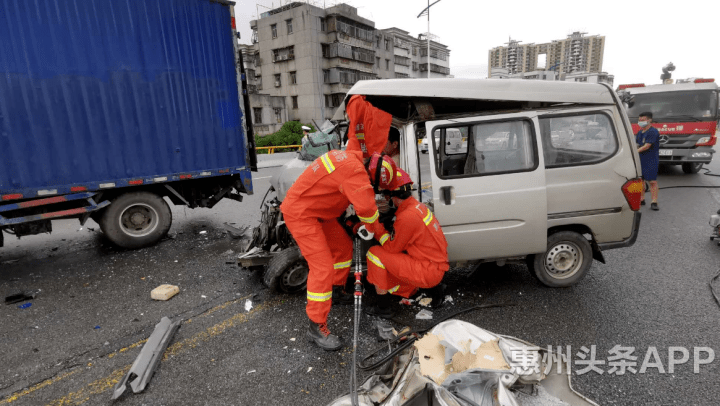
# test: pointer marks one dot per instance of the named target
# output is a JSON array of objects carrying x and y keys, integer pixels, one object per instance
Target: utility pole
[{"x": 427, "y": 12}]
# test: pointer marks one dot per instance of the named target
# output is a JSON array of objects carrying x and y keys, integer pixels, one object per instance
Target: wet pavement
[{"x": 93, "y": 311}]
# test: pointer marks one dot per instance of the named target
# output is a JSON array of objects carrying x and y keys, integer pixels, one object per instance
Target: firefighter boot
[
  {"x": 382, "y": 307},
  {"x": 340, "y": 297},
  {"x": 320, "y": 334}
]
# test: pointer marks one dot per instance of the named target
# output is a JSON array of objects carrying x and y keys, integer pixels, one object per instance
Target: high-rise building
[
  {"x": 303, "y": 60},
  {"x": 577, "y": 53}
]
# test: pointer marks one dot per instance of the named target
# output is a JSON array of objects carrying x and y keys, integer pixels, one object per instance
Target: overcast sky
[{"x": 640, "y": 36}]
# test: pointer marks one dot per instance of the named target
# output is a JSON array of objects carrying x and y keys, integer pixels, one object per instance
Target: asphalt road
[{"x": 93, "y": 311}]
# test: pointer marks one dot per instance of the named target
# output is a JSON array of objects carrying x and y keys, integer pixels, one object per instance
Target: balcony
[{"x": 435, "y": 68}]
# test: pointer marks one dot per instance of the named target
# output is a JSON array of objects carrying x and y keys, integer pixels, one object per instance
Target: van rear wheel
[
  {"x": 691, "y": 167},
  {"x": 566, "y": 261}
]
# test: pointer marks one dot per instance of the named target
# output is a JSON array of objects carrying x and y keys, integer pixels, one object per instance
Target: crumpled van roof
[{"x": 516, "y": 90}]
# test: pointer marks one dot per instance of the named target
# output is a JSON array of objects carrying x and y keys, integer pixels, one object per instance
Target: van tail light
[
  {"x": 633, "y": 191},
  {"x": 706, "y": 141}
]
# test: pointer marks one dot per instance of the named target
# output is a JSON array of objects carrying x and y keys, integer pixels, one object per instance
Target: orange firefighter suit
[
  {"x": 415, "y": 258},
  {"x": 311, "y": 208},
  {"x": 369, "y": 126}
]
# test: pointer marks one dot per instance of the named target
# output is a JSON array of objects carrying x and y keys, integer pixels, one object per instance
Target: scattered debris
[
  {"x": 385, "y": 330},
  {"x": 228, "y": 252},
  {"x": 203, "y": 232},
  {"x": 425, "y": 302},
  {"x": 10, "y": 261},
  {"x": 203, "y": 296},
  {"x": 292, "y": 339},
  {"x": 17, "y": 298},
  {"x": 24, "y": 305},
  {"x": 252, "y": 371},
  {"x": 54, "y": 248},
  {"x": 407, "y": 302},
  {"x": 150, "y": 356},
  {"x": 424, "y": 314},
  {"x": 164, "y": 292},
  {"x": 248, "y": 305},
  {"x": 97, "y": 327},
  {"x": 448, "y": 299},
  {"x": 309, "y": 369}
]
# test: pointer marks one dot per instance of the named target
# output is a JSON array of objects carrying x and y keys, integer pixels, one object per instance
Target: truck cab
[{"x": 686, "y": 116}]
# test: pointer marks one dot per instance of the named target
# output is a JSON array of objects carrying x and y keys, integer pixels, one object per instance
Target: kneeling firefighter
[{"x": 416, "y": 255}]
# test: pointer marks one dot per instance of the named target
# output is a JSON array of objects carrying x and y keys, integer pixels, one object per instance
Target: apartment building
[
  {"x": 303, "y": 60},
  {"x": 411, "y": 56},
  {"x": 577, "y": 53}
]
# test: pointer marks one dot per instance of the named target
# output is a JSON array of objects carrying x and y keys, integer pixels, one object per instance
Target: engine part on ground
[{"x": 149, "y": 358}]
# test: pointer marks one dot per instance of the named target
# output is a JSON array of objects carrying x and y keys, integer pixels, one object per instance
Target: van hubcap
[{"x": 563, "y": 260}]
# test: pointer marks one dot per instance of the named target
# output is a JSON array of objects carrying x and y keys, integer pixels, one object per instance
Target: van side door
[{"x": 489, "y": 193}]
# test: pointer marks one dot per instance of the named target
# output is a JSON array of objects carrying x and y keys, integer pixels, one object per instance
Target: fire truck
[{"x": 685, "y": 113}]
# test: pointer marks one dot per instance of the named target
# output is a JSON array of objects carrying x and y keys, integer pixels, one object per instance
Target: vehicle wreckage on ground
[
  {"x": 459, "y": 364},
  {"x": 514, "y": 190}
]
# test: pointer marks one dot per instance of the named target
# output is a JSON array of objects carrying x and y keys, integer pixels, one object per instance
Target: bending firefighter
[
  {"x": 416, "y": 256},
  {"x": 319, "y": 197}
]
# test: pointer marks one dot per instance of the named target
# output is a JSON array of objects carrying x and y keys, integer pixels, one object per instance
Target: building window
[
  {"x": 289, "y": 26},
  {"x": 377, "y": 62},
  {"x": 378, "y": 42},
  {"x": 294, "y": 101},
  {"x": 387, "y": 44},
  {"x": 387, "y": 64},
  {"x": 325, "y": 50},
  {"x": 323, "y": 25},
  {"x": 414, "y": 66},
  {"x": 414, "y": 51},
  {"x": 326, "y": 76},
  {"x": 257, "y": 111},
  {"x": 278, "y": 115},
  {"x": 273, "y": 28},
  {"x": 337, "y": 98},
  {"x": 293, "y": 78},
  {"x": 277, "y": 80},
  {"x": 328, "y": 101}
]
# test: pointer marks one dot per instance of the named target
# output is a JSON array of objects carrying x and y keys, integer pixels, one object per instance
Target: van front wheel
[{"x": 566, "y": 261}]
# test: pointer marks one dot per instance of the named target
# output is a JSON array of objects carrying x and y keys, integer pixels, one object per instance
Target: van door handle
[{"x": 446, "y": 192}]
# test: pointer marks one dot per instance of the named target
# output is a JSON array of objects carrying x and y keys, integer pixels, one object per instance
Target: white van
[
  {"x": 545, "y": 173},
  {"x": 518, "y": 171}
]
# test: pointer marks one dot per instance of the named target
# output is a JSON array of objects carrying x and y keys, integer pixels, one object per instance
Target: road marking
[
  {"x": 264, "y": 177},
  {"x": 48, "y": 382},
  {"x": 103, "y": 384}
]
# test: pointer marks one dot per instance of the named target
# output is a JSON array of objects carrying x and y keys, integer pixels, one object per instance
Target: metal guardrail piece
[
  {"x": 272, "y": 149},
  {"x": 145, "y": 364}
]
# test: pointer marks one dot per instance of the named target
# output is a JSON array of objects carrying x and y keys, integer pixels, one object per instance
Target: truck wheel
[
  {"x": 287, "y": 271},
  {"x": 566, "y": 261},
  {"x": 136, "y": 220},
  {"x": 691, "y": 167}
]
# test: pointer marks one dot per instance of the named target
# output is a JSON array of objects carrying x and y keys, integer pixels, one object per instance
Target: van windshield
[{"x": 691, "y": 105}]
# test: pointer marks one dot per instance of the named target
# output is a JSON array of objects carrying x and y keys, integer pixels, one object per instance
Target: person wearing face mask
[{"x": 648, "y": 141}]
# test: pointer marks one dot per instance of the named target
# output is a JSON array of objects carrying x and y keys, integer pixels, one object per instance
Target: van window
[
  {"x": 486, "y": 149},
  {"x": 577, "y": 139}
]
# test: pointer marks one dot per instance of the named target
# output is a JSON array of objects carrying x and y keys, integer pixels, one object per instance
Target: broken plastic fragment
[
  {"x": 425, "y": 302},
  {"x": 448, "y": 299},
  {"x": 424, "y": 314},
  {"x": 248, "y": 305},
  {"x": 251, "y": 371},
  {"x": 309, "y": 369}
]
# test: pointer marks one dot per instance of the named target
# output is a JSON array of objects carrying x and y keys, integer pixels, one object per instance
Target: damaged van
[{"x": 535, "y": 172}]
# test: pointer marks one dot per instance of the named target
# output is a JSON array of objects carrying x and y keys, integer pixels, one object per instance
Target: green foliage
[{"x": 290, "y": 134}]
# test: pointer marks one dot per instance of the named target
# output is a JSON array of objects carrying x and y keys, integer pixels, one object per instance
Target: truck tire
[
  {"x": 691, "y": 167},
  {"x": 287, "y": 271},
  {"x": 137, "y": 219},
  {"x": 566, "y": 261}
]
